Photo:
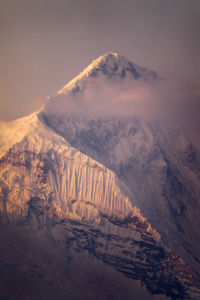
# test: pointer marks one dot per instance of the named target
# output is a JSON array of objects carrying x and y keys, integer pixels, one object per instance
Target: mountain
[{"x": 95, "y": 206}]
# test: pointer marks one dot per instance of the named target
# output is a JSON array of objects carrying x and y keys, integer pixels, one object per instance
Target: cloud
[
  {"x": 175, "y": 101},
  {"x": 105, "y": 98}
]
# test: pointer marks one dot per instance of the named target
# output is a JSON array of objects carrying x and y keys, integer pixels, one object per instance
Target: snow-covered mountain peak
[{"x": 111, "y": 66}]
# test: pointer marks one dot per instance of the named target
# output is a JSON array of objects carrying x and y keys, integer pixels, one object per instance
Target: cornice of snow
[{"x": 111, "y": 65}]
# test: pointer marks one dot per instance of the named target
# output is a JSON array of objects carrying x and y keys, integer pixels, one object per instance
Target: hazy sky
[{"x": 45, "y": 43}]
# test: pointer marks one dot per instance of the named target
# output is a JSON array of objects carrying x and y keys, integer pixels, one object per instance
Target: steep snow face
[
  {"x": 109, "y": 66},
  {"x": 44, "y": 173}
]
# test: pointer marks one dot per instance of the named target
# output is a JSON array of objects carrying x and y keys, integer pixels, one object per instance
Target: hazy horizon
[{"x": 45, "y": 44}]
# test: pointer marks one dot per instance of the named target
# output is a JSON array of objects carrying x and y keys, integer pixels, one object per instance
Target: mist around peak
[{"x": 172, "y": 100}]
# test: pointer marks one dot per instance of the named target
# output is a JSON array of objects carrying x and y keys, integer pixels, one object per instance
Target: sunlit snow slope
[{"x": 40, "y": 166}]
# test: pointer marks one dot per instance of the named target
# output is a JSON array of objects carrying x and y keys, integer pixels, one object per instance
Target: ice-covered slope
[{"x": 41, "y": 168}]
